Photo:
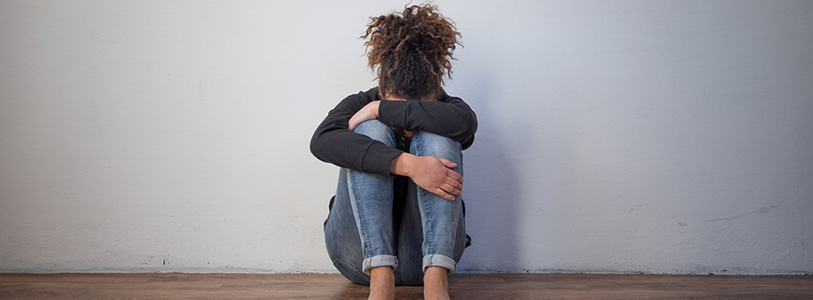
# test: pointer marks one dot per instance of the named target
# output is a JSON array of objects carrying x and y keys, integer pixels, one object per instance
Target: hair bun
[{"x": 419, "y": 35}]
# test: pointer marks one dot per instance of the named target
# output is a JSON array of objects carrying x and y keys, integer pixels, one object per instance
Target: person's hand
[
  {"x": 368, "y": 112},
  {"x": 435, "y": 175}
]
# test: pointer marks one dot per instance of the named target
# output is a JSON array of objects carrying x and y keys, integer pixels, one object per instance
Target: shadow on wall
[{"x": 491, "y": 189}]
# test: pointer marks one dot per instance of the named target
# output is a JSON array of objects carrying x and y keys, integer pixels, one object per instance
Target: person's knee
[
  {"x": 371, "y": 126},
  {"x": 377, "y": 131},
  {"x": 430, "y": 144}
]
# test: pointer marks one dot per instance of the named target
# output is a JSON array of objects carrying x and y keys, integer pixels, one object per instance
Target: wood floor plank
[{"x": 462, "y": 286}]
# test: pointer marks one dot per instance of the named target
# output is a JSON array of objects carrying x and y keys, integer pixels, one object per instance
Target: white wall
[{"x": 615, "y": 136}]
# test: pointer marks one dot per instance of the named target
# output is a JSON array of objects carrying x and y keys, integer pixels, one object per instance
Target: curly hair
[{"x": 411, "y": 51}]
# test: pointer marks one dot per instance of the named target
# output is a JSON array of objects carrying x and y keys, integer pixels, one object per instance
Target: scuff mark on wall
[
  {"x": 149, "y": 260},
  {"x": 634, "y": 208},
  {"x": 762, "y": 210},
  {"x": 679, "y": 223}
]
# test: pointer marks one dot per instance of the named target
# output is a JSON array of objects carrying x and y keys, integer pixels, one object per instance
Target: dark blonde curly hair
[{"x": 412, "y": 51}]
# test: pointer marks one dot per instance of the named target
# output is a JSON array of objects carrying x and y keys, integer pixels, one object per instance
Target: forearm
[
  {"x": 402, "y": 164},
  {"x": 433, "y": 174},
  {"x": 354, "y": 151},
  {"x": 454, "y": 120},
  {"x": 335, "y": 143},
  {"x": 366, "y": 113}
]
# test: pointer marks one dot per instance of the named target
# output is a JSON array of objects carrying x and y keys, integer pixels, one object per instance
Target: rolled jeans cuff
[
  {"x": 438, "y": 260},
  {"x": 379, "y": 261}
]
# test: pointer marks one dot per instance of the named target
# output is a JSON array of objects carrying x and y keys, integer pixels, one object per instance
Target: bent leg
[
  {"x": 410, "y": 238},
  {"x": 444, "y": 228},
  {"x": 368, "y": 197},
  {"x": 342, "y": 236}
]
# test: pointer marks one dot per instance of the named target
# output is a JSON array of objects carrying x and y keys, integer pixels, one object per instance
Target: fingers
[
  {"x": 451, "y": 189},
  {"x": 439, "y": 179},
  {"x": 443, "y": 194},
  {"x": 456, "y": 177},
  {"x": 453, "y": 183},
  {"x": 448, "y": 163}
]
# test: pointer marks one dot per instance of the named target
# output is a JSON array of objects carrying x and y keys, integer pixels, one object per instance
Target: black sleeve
[
  {"x": 449, "y": 117},
  {"x": 333, "y": 142}
]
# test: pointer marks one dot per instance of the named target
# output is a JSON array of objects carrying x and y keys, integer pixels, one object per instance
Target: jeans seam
[
  {"x": 427, "y": 216},
  {"x": 362, "y": 224},
  {"x": 429, "y": 234}
]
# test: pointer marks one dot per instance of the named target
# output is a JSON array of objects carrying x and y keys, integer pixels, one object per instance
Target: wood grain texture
[{"x": 462, "y": 286}]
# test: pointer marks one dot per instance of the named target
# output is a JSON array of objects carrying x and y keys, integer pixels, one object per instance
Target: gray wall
[{"x": 615, "y": 136}]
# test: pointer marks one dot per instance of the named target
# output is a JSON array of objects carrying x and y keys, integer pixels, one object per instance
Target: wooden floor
[{"x": 462, "y": 286}]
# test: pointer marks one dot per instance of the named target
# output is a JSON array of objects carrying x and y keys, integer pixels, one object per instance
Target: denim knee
[
  {"x": 377, "y": 131},
  {"x": 430, "y": 144}
]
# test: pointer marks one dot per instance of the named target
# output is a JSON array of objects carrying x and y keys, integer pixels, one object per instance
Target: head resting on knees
[{"x": 411, "y": 52}]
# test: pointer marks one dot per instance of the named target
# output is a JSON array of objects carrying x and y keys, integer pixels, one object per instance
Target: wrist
[{"x": 402, "y": 164}]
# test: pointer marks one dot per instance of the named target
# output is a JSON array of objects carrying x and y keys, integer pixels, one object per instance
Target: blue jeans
[{"x": 359, "y": 230}]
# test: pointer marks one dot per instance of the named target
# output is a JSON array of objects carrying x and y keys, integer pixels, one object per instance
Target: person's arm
[
  {"x": 335, "y": 143},
  {"x": 433, "y": 174},
  {"x": 450, "y": 117},
  {"x": 368, "y": 112}
]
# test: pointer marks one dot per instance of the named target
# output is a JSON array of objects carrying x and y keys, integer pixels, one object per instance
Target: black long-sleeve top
[{"x": 333, "y": 142}]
